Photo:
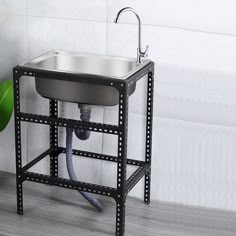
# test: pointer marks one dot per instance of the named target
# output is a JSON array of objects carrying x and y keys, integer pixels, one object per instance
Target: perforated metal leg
[
  {"x": 149, "y": 121},
  {"x": 122, "y": 162},
  {"x": 53, "y": 107},
  {"x": 19, "y": 189}
]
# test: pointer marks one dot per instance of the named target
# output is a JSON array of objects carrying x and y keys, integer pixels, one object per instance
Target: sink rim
[{"x": 32, "y": 63}]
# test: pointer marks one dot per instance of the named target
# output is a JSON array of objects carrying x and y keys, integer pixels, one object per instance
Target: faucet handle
[
  {"x": 141, "y": 54},
  {"x": 145, "y": 53}
]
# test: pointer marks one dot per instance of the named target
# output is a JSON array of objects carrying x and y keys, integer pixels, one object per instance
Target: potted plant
[{"x": 6, "y": 102}]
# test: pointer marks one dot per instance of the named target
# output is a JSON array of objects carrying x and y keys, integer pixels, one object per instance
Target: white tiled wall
[
  {"x": 194, "y": 96},
  {"x": 63, "y": 26},
  {"x": 95, "y": 10},
  {"x": 13, "y": 50},
  {"x": 209, "y": 16},
  {"x": 13, "y": 7},
  {"x": 194, "y": 47}
]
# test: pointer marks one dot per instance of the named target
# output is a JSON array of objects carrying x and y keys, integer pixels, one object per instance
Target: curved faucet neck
[{"x": 139, "y": 50}]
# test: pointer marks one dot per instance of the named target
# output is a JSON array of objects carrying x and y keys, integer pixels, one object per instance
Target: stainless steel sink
[{"x": 85, "y": 65}]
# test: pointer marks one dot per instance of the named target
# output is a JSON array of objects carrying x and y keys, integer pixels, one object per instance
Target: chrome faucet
[{"x": 140, "y": 52}]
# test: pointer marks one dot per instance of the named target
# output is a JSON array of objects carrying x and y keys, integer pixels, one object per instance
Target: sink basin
[{"x": 86, "y": 65}]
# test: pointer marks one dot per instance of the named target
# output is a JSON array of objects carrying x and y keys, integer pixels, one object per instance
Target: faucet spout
[{"x": 140, "y": 53}]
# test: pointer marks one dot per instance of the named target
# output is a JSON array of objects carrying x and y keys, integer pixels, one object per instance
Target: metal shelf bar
[
  {"x": 100, "y": 156},
  {"x": 137, "y": 176},
  {"x": 70, "y": 184},
  {"x": 47, "y": 120},
  {"x": 37, "y": 159}
]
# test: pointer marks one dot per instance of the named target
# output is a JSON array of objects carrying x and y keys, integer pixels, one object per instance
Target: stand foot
[
  {"x": 147, "y": 189},
  {"x": 120, "y": 219},
  {"x": 19, "y": 191}
]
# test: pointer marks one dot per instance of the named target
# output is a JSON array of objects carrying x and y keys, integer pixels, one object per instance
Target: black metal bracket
[{"x": 124, "y": 185}]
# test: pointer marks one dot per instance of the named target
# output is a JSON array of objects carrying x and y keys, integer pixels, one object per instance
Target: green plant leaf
[{"x": 6, "y": 103}]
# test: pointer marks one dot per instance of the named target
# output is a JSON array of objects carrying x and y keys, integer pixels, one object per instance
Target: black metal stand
[{"x": 124, "y": 185}]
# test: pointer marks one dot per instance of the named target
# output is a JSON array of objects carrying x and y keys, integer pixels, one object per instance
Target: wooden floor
[{"x": 50, "y": 211}]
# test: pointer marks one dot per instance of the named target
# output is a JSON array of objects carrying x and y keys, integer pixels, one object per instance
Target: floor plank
[{"x": 53, "y": 211}]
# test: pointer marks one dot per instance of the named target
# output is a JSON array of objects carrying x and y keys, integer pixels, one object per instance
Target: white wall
[
  {"x": 194, "y": 47},
  {"x": 13, "y": 50}
]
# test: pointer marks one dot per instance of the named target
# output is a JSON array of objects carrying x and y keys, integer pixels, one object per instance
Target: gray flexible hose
[{"x": 70, "y": 168}]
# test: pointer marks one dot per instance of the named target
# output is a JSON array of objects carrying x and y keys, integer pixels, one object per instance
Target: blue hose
[{"x": 69, "y": 162}]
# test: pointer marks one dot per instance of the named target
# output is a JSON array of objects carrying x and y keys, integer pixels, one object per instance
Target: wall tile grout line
[
  {"x": 130, "y": 23},
  {"x": 178, "y": 28},
  {"x": 66, "y": 18}
]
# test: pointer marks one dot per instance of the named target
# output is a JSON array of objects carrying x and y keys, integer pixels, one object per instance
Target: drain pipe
[
  {"x": 69, "y": 162},
  {"x": 85, "y": 114}
]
